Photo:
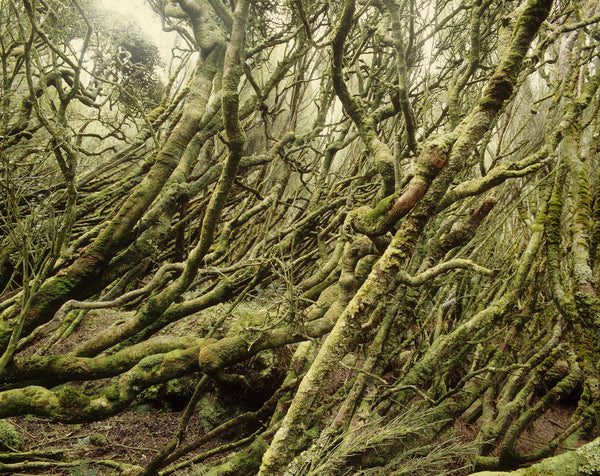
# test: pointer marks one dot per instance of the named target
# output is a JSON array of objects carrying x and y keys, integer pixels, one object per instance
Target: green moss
[
  {"x": 243, "y": 462},
  {"x": 490, "y": 102},
  {"x": 8, "y": 435},
  {"x": 536, "y": 472},
  {"x": 153, "y": 115},
  {"x": 567, "y": 463},
  {"x": 112, "y": 393},
  {"x": 373, "y": 222},
  {"x": 213, "y": 356},
  {"x": 98, "y": 439},
  {"x": 72, "y": 401},
  {"x": 211, "y": 412},
  {"x": 148, "y": 363},
  {"x": 312, "y": 433},
  {"x": 442, "y": 144},
  {"x": 208, "y": 360},
  {"x": 179, "y": 386},
  {"x": 589, "y": 458}
]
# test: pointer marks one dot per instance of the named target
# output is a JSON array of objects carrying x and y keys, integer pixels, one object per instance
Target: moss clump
[
  {"x": 148, "y": 363},
  {"x": 170, "y": 396},
  {"x": 590, "y": 458},
  {"x": 211, "y": 412},
  {"x": 72, "y": 401},
  {"x": 98, "y": 439},
  {"x": 8, "y": 435}
]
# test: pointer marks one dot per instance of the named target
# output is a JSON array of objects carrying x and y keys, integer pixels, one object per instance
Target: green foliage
[
  {"x": 398, "y": 446},
  {"x": 137, "y": 60},
  {"x": 83, "y": 469}
]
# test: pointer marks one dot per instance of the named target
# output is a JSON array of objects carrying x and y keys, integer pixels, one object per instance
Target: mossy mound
[{"x": 8, "y": 435}]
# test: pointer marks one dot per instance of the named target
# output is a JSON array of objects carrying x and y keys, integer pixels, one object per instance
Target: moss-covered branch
[
  {"x": 382, "y": 279},
  {"x": 353, "y": 105},
  {"x": 470, "y": 67},
  {"x": 402, "y": 73},
  {"x": 381, "y": 219},
  {"x": 447, "y": 345},
  {"x": 431, "y": 273},
  {"x": 69, "y": 404},
  {"x": 60, "y": 369},
  {"x": 78, "y": 279},
  {"x": 579, "y": 461},
  {"x": 495, "y": 176}
]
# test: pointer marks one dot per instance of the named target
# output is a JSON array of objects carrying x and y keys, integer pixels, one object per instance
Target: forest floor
[
  {"x": 539, "y": 434},
  {"x": 136, "y": 435},
  {"x": 139, "y": 433}
]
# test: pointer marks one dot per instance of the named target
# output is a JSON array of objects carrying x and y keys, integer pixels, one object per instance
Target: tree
[{"x": 392, "y": 204}]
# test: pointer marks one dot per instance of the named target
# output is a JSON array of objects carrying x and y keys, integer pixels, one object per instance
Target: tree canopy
[{"x": 374, "y": 222}]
